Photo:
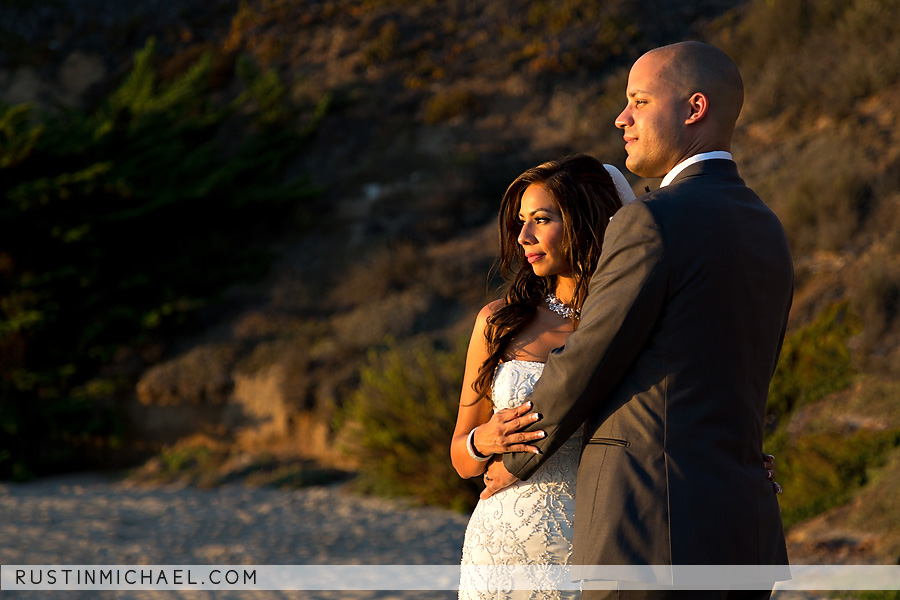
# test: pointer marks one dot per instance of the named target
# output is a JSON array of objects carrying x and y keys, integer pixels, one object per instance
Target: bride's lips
[{"x": 534, "y": 257}]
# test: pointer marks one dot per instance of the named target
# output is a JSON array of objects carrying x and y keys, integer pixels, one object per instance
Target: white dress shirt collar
[{"x": 693, "y": 159}]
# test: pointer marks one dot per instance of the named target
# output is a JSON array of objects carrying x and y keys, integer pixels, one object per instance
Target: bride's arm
[{"x": 494, "y": 433}]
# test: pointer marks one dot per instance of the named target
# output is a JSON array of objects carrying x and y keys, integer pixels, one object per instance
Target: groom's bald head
[
  {"x": 692, "y": 67},
  {"x": 683, "y": 99}
]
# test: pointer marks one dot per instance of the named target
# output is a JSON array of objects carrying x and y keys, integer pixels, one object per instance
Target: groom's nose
[{"x": 624, "y": 119}]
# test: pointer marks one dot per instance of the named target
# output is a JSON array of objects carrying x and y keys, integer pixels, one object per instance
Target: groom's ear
[{"x": 699, "y": 104}]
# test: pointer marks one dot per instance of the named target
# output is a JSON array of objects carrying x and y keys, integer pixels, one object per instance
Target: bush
[
  {"x": 399, "y": 422},
  {"x": 815, "y": 361},
  {"x": 824, "y": 470},
  {"x": 115, "y": 227}
]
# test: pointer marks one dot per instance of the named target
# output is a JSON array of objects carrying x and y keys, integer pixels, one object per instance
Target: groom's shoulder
[
  {"x": 685, "y": 195},
  {"x": 649, "y": 204},
  {"x": 670, "y": 207},
  {"x": 639, "y": 217}
]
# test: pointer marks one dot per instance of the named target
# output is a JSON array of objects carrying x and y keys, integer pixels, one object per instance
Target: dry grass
[
  {"x": 201, "y": 376},
  {"x": 384, "y": 270},
  {"x": 876, "y": 297},
  {"x": 877, "y": 506},
  {"x": 205, "y": 462},
  {"x": 372, "y": 323},
  {"x": 790, "y": 51},
  {"x": 449, "y": 104}
]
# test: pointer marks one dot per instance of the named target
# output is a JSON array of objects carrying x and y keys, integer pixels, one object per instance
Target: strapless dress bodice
[{"x": 530, "y": 522}]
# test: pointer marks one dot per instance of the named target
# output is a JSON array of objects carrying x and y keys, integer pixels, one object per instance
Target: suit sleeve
[{"x": 625, "y": 298}]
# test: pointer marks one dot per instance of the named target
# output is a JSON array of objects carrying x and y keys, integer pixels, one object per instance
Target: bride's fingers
[
  {"x": 517, "y": 442},
  {"x": 523, "y": 408},
  {"x": 511, "y": 414},
  {"x": 512, "y": 426},
  {"x": 515, "y": 412},
  {"x": 522, "y": 422},
  {"x": 529, "y": 436}
]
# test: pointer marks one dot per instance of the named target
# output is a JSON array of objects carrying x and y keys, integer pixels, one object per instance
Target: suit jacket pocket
[{"x": 608, "y": 442}]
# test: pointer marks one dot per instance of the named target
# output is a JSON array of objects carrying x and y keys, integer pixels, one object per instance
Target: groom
[{"x": 679, "y": 337}]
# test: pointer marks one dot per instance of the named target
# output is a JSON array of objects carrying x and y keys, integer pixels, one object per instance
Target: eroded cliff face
[{"x": 433, "y": 109}]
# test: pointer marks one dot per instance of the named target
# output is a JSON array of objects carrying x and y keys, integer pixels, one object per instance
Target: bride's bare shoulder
[
  {"x": 492, "y": 307},
  {"x": 486, "y": 311}
]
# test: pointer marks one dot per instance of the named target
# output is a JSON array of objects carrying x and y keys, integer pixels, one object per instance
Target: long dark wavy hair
[{"x": 587, "y": 198}]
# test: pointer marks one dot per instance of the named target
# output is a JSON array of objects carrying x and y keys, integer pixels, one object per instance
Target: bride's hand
[
  {"x": 769, "y": 462},
  {"x": 502, "y": 433},
  {"x": 496, "y": 478}
]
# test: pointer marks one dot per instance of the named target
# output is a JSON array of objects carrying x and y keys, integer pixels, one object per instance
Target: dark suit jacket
[{"x": 670, "y": 367}]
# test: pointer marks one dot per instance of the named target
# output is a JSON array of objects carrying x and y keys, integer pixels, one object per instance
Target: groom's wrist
[{"x": 520, "y": 464}]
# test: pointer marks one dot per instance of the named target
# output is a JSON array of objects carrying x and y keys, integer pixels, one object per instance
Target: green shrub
[
  {"x": 115, "y": 227},
  {"x": 18, "y": 134},
  {"x": 264, "y": 95},
  {"x": 824, "y": 470},
  {"x": 815, "y": 361},
  {"x": 399, "y": 422}
]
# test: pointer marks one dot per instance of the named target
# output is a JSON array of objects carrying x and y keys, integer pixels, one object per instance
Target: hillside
[{"x": 414, "y": 117}]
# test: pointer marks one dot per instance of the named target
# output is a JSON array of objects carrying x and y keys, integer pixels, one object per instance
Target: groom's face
[{"x": 653, "y": 121}]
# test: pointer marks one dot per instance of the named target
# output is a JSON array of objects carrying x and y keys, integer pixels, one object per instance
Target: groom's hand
[
  {"x": 503, "y": 432},
  {"x": 496, "y": 478}
]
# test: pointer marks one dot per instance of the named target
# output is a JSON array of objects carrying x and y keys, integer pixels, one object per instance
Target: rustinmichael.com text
[{"x": 126, "y": 577}]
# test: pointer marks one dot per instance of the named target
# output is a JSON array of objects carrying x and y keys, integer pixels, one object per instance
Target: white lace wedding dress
[{"x": 529, "y": 523}]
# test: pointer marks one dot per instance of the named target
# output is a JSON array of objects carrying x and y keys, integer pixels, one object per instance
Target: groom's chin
[{"x": 634, "y": 165}]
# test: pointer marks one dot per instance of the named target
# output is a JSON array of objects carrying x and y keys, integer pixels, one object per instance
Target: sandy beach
[{"x": 90, "y": 519}]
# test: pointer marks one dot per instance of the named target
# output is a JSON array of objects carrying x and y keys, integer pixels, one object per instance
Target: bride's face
[{"x": 542, "y": 232}]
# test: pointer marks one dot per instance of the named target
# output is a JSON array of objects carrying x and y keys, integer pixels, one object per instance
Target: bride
[{"x": 552, "y": 221}]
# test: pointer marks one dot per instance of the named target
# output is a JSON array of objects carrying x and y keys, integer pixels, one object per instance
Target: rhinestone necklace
[{"x": 557, "y": 306}]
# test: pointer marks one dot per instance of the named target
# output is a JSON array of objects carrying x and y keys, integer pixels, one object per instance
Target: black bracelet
[{"x": 470, "y": 446}]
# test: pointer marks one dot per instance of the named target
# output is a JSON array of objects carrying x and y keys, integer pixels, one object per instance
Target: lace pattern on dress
[{"x": 529, "y": 523}]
